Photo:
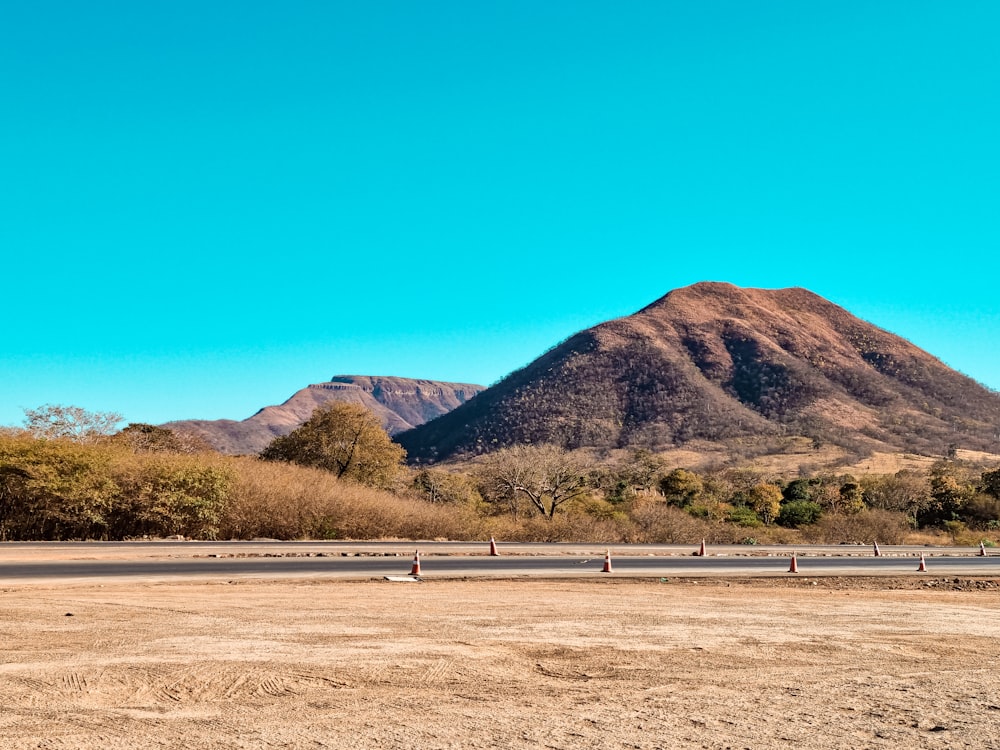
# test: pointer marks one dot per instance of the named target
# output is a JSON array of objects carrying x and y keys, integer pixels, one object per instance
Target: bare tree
[
  {"x": 547, "y": 476},
  {"x": 53, "y": 421},
  {"x": 147, "y": 438}
]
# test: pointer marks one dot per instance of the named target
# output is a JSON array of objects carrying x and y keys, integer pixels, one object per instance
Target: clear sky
[{"x": 207, "y": 205}]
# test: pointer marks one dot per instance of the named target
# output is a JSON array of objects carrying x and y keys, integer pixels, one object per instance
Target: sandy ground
[{"x": 801, "y": 663}]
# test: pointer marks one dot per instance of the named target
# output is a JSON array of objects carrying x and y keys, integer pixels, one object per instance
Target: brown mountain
[
  {"x": 716, "y": 362},
  {"x": 400, "y": 403}
]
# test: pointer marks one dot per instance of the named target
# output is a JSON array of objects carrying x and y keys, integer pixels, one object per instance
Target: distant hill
[
  {"x": 400, "y": 403},
  {"x": 714, "y": 362}
]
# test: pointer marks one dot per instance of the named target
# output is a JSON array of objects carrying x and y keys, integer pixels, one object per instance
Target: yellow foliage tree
[{"x": 345, "y": 439}]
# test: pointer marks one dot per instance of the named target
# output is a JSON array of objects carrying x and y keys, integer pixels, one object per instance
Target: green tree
[
  {"x": 681, "y": 487},
  {"x": 949, "y": 495},
  {"x": 990, "y": 483},
  {"x": 981, "y": 511},
  {"x": 798, "y": 489},
  {"x": 55, "y": 489},
  {"x": 799, "y": 513},
  {"x": 345, "y": 439},
  {"x": 743, "y": 516},
  {"x": 164, "y": 494}
]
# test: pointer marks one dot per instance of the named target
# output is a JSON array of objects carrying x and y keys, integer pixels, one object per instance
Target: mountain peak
[{"x": 717, "y": 362}]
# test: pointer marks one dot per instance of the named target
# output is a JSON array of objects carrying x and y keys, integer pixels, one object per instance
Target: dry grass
[{"x": 284, "y": 501}]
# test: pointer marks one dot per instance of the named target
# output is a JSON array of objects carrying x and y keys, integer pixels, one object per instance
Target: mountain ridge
[{"x": 399, "y": 403}]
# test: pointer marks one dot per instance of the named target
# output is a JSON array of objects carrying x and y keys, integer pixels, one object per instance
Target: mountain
[
  {"x": 715, "y": 362},
  {"x": 400, "y": 403}
]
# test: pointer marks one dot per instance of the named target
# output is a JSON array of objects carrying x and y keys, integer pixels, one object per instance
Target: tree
[
  {"x": 990, "y": 483},
  {"x": 54, "y": 421},
  {"x": 765, "y": 500},
  {"x": 852, "y": 497},
  {"x": 624, "y": 481},
  {"x": 798, "y": 513},
  {"x": 547, "y": 476},
  {"x": 437, "y": 486},
  {"x": 140, "y": 437},
  {"x": 345, "y": 439},
  {"x": 981, "y": 511},
  {"x": 949, "y": 495},
  {"x": 905, "y": 491},
  {"x": 681, "y": 487},
  {"x": 798, "y": 489}
]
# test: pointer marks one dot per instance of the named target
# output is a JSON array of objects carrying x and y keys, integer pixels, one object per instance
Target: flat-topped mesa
[
  {"x": 404, "y": 386},
  {"x": 399, "y": 403}
]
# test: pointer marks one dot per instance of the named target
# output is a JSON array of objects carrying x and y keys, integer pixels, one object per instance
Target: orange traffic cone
[
  {"x": 922, "y": 568},
  {"x": 982, "y": 549},
  {"x": 415, "y": 570},
  {"x": 878, "y": 552},
  {"x": 493, "y": 547},
  {"x": 701, "y": 550},
  {"x": 607, "y": 562},
  {"x": 794, "y": 567}
]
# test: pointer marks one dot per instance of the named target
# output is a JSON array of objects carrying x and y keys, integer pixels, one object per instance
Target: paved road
[
  {"x": 171, "y": 548},
  {"x": 154, "y": 561}
]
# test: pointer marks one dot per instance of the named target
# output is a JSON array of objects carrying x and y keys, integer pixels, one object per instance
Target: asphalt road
[{"x": 52, "y": 562}]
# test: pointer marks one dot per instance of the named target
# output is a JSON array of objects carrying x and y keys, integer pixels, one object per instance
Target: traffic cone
[
  {"x": 878, "y": 553},
  {"x": 415, "y": 570},
  {"x": 794, "y": 567},
  {"x": 701, "y": 550},
  {"x": 922, "y": 568},
  {"x": 607, "y": 562},
  {"x": 493, "y": 547},
  {"x": 982, "y": 549}
]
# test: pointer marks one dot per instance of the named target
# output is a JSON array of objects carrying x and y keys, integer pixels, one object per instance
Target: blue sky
[{"x": 206, "y": 206}]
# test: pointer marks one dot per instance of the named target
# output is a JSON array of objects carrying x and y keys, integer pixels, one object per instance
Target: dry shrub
[
  {"x": 659, "y": 523},
  {"x": 866, "y": 527},
  {"x": 60, "y": 489},
  {"x": 387, "y": 516},
  {"x": 927, "y": 538},
  {"x": 567, "y": 527},
  {"x": 283, "y": 501},
  {"x": 959, "y": 534},
  {"x": 727, "y": 533}
]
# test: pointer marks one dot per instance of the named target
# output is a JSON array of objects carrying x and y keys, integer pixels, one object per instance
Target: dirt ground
[{"x": 801, "y": 663}]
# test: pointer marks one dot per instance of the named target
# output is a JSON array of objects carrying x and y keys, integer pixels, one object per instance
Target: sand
[{"x": 817, "y": 663}]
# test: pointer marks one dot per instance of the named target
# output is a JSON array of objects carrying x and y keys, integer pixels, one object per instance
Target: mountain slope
[
  {"x": 717, "y": 362},
  {"x": 400, "y": 404}
]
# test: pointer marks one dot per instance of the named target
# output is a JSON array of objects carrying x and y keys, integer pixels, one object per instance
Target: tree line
[{"x": 72, "y": 474}]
